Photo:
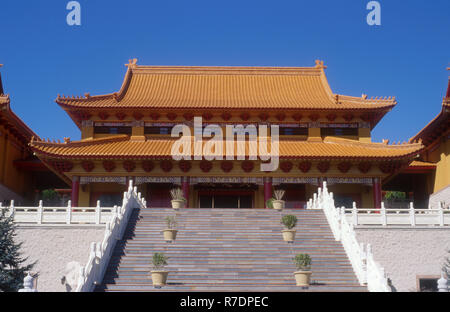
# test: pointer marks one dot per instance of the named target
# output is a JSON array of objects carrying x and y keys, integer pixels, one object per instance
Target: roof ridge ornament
[
  {"x": 132, "y": 63},
  {"x": 319, "y": 64}
]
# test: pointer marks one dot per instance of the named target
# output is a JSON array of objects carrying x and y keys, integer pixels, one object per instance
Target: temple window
[
  {"x": 339, "y": 131},
  {"x": 112, "y": 130},
  {"x": 158, "y": 130},
  {"x": 293, "y": 131}
]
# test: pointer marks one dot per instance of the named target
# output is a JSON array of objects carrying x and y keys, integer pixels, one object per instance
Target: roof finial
[
  {"x": 319, "y": 64},
  {"x": 132, "y": 63}
]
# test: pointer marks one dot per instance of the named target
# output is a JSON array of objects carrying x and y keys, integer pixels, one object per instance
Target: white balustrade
[
  {"x": 100, "y": 252},
  {"x": 59, "y": 215},
  {"x": 366, "y": 269},
  {"x": 398, "y": 217}
]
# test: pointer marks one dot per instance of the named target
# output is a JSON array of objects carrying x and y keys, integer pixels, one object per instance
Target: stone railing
[
  {"x": 100, "y": 252},
  {"x": 400, "y": 217},
  {"x": 59, "y": 215},
  {"x": 366, "y": 269}
]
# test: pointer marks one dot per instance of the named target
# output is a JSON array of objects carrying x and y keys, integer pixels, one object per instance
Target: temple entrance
[
  {"x": 159, "y": 195},
  {"x": 226, "y": 196},
  {"x": 295, "y": 195}
]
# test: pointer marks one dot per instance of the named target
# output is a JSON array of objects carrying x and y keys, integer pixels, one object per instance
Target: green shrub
[
  {"x": 302, "y": 262},
  {"x": 289, "y": 221},
  {"x": 269, "y": 203},
  {"x": 171, "y": 222},
  {"x": 159, "y": 260}
]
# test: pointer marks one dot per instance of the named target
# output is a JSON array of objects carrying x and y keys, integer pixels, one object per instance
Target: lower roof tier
[{"x": 123, "y": 147}]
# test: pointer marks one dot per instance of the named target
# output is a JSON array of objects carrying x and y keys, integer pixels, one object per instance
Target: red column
[
  {"x": 75, "y": 190},
  {"x": 267, "y": 190},
  {"x": 185, "y": 188},
  {"x": 376, "y": 192}
]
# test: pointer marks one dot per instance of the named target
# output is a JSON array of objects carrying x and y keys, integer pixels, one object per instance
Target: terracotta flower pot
[
  {"x": 289, "y": 235},
  {"x": 278, "y": 204},
  {"x": 303, "y": 278},
  {"x": 170, "y": 234},
  {"x": 159, "y": 277},
  {"x": 177, "y": 203}
]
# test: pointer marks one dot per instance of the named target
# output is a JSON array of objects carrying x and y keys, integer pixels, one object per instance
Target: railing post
[
  {"x": 69, "y": 212},
  {"x": 97, "y": 213},
  {"x": 12, "y": 209},
  {"x": 354, "y": 214},
  {"x": 441, "y": 214},
  {"x": 412, "y": 214},
  {"x": 39, "y": 213},
  {"x": 28, "y": 286},
  {"x": 383, "y": 215}
]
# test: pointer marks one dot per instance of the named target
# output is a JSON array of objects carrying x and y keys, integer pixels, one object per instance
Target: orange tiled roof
[
  {"x": 122, "y": 147},
  {"x": 7, "y": 113},
  {"x": 438, "y": 125},
  {"x": 226, "y": 88},
  {"x": 417, "y": 163}
]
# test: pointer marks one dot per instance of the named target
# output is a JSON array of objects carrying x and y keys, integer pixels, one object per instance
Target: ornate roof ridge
[
  {"x": 383, "y": 144},
  {"x": 68, "y": 143}
]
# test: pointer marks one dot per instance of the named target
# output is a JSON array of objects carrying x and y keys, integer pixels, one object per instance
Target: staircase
[{"x": 228, "y": 250}]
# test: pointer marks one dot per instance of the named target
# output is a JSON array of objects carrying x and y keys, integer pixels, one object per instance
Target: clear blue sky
[{"x": 405, "y": 57}]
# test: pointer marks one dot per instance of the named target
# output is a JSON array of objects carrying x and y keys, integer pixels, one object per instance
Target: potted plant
[
  {"x": 159, "y": 275},
  {"x": 278, "y": 203},
  {"x": 303, "y": 273},
  {"x": 289, "y": 222},
  {"x": 170, "y": 234},
  {"x": 178, "y": 199}
]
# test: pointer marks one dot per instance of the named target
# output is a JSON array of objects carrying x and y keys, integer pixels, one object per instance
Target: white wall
[
  {"x": 441, "y": 196},
  {"x": 55, "y": 246},
  {"x": 407, "y": 253}
]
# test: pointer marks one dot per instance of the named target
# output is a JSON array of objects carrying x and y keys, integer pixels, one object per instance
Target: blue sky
[{"x": 405, "y": 57}]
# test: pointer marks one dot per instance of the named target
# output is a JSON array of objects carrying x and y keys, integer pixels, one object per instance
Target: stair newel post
[
  {"x": 93, "y": 256},
  {"x": 443, "y": 284},
  {"x": 69, "y": 212},
  {"x": 354, "y": 214},
  {"x": 39, "y": 213},
  {"x": 412, "y": 214},
  {"x": 383, "y": 215},
  {"x": 98, "y": 212},
  {"x": 81, "y": 279},
  {"x": 441, "y": 214}
]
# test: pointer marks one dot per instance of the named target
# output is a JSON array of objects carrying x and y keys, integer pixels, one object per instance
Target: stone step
[{"x": 228, "y": 250}]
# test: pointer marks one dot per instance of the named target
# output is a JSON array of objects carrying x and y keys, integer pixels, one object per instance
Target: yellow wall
[
  {"x": 440, "y": 155},
  {"x": 19, "y": 181}
]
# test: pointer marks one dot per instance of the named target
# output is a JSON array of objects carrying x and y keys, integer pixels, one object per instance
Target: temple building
[
  {"x": 22, "y": 175},
  {"x": 323, "y": 136},
  {"x": 428, "y": 177}
]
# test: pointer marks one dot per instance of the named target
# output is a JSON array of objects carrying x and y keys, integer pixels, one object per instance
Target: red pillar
[
  {"x": 185, "y": 188},
  {"x": 376, "y": 192},
  {"x": 267, "y": 190},
  {"x": 75, "y": 190}
]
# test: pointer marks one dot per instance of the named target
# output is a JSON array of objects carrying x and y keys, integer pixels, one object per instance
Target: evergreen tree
[{"x": 12, "y": 272}]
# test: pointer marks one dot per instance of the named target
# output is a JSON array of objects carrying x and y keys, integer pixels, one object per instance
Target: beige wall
[
  {"x": 408, "y": 253},
  {"x": 55, "y": 246}
]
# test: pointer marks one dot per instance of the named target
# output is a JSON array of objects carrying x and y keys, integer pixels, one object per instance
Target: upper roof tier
[{"x": 172, "y": 87}]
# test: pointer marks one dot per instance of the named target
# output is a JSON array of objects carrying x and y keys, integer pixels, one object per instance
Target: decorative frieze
[
  {"x": 365, "y": 181},
  {"x": 141, "y": 180},
  {"x": 87, "y": 180},
  {"x": 246, "y": 180},
  {"x": 299, "y": 180}
]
